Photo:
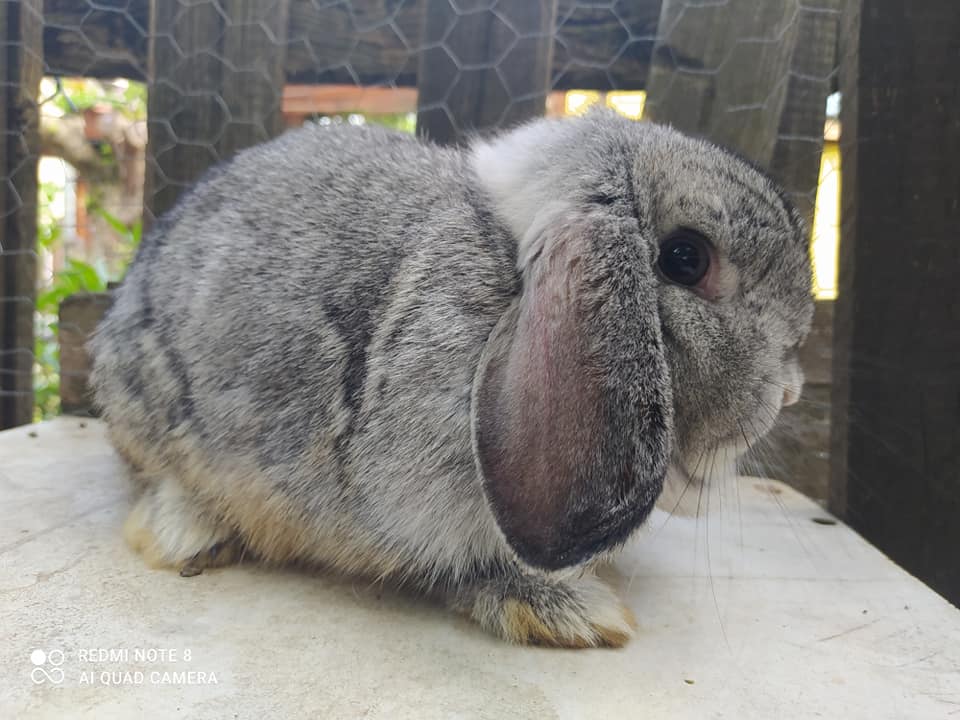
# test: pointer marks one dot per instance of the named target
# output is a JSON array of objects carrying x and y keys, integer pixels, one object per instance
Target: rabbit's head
[{"x": 666, "y": 289}]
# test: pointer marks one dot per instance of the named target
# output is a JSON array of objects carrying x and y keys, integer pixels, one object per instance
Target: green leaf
[
  {"x": 48, "y": 235},
  {"x": 88, "y": 277},
  {"x": 113, "y": 221},
  {"x": 49, "y": 301}
]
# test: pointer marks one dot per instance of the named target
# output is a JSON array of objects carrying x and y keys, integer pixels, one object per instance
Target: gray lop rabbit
[{"x": 467, "y": 370}]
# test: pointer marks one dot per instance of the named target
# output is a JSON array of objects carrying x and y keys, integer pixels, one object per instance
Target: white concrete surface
[{"x": 751, "y": 611}]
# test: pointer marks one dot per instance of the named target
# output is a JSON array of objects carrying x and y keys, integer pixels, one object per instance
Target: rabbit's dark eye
[{"x": 684, "y": 257}]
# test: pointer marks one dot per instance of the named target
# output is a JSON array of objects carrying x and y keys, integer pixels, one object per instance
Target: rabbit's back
[{"x": 313, "y": 311}]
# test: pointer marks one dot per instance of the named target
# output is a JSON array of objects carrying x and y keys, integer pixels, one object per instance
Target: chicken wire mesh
[{"x": 138, "y": 98}]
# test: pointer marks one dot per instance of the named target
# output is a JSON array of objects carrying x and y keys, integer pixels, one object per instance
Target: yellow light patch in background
[
  {"x": 576, "y": 102},
  {"x": 825, "y": 244},
  {"x": 628, "y": 104}
]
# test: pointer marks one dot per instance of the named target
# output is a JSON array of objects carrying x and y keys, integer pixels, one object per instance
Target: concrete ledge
[{"x": 754, "y": 610}]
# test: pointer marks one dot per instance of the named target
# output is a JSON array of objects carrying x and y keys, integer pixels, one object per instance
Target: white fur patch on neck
[
  {"x": 514, "y": 169},
  {"x": 683, "y": 489}
]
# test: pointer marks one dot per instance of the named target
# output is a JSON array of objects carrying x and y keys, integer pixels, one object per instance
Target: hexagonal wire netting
[{"x": 225, "y": 74}]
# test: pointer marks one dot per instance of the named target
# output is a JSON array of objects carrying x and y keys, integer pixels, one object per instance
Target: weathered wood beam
[
  {"x": 312, "y": 99},
  {"x": 896, "y": 408},
  {"x": 751, "y": 76},
  {"x": 484, "y": 69},
  {"x": 216, "y": 87},
  {"x": 370, "y": 42},
  {"x": 102, "y": 41},
  {"x": 21, "y": 67},
  {"x": 811, "y": 75},
  {"x": 79, "y": 316}
]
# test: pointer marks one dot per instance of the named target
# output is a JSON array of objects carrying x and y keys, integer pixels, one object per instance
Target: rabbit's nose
[
  {"x": 792, "y": 379},
  {"x": 790, "y": 396}
]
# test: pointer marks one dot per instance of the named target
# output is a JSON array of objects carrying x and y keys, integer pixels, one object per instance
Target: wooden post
[
  {"x": 216, "y": 83},
  {"x": 798, "y": 148},
  {"x": 21, "y": 66},
  {"x": 896, "y": 419},
  {"x": 79, "y": 316},
  {"x": 751, "y": 76},
  {"x": 483, "y": 68}
]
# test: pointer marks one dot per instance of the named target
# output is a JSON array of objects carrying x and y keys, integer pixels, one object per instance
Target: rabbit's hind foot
[
  {"x": 580, "y": 611},
  {"x": 220, "y": 554},
  {"x": 168, "y": 528}
]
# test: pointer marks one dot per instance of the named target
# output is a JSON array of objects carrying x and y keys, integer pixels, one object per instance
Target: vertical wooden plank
[
  {"x": 840, "y": 411},
  {"x": 79, "y": 316},
  {"x": 485, "y": 65},
  {"x": 751, "y": 76},
  {"x": 254, "y": 43},
  {"x": 705, "y": 81},
  {"x": 216, "y": 82},
  {"x": 896, "y": 417},
  {"x": 798, "y": 147},
  {"x": 21, "y": 67},
  {"x": 185, "y": 114}
]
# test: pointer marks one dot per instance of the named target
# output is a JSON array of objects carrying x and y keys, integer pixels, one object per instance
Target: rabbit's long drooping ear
[{"x": 572, "y": 405}]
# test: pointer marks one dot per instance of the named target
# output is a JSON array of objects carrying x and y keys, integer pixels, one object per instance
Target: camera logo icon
[{"x": 47, "y": 667}]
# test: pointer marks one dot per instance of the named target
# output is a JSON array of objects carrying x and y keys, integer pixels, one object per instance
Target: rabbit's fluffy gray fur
[{"x": 455, "y": 368}]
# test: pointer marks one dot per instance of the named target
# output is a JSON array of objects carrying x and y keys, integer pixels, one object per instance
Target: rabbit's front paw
[{"x": 578, "y": 612}]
